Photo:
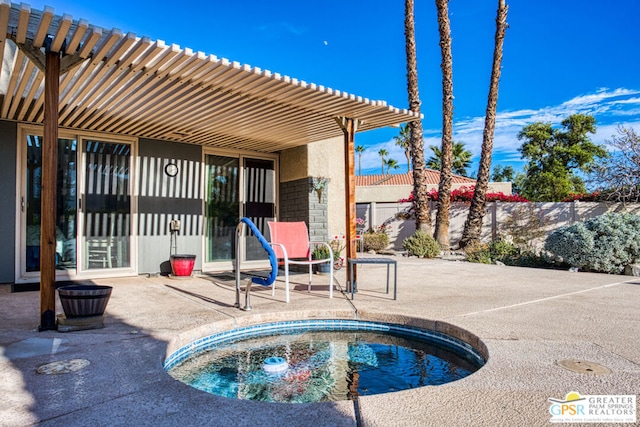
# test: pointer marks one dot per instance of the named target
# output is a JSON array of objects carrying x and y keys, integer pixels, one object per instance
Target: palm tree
[
  {"x": 360, "y": 149},
  {"x": 383, "y": 153},
  {"x": 404, "y": 141},
  {"x": 446, "y": 155},
  {"x": 391, "y": 164},
  {"x": 461, "y": 159},
  {"x": 473, "y": 224},
  {"x": 420, "y": 195}
]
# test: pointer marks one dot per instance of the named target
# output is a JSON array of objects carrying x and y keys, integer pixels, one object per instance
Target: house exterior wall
[
  {"x": 8, "y": 175},
  {"x": 293, "y": 164},
  {"x": 299, "y": 169},
  {"x": 301, "y": 203},
  {"x": 162, "y": 198},
  {"x": 326, "y": 159}
]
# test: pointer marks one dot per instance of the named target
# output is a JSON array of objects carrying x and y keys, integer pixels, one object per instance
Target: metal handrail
[{"x": 268, "y": 281}]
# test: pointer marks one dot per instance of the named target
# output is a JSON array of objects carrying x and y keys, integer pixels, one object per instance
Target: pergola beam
[
  {"x": 349, "y": 128},
  {"x": 48, "y": 192}
]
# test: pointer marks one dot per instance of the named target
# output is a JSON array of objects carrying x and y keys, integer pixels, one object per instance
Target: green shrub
[
  {"x": 375, "y": 241},
  {"x": 479, "y": 253},
  {"x": 501, "y": 249},
  {"x": 422, "y": 245},
  {"x": 606, "y": 243}
]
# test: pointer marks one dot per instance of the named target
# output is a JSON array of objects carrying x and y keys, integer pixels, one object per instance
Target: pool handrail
[{"x": 262, "y": 281}]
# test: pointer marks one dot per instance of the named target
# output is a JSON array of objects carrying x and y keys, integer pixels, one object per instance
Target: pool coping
[{"x": 190, "y": 342}]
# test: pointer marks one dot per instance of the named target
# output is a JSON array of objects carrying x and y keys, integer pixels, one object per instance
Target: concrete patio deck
[{"x": 529, "y": 320}]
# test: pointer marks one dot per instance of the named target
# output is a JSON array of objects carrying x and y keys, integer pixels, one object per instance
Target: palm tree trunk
[
  {"x": 446, "y": 161},
  {"x": 421, "y": 198},
  {"x": 473, "y": 224}
]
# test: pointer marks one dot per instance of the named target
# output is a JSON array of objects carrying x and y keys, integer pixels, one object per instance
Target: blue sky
[{"x": 560, "y": 56}]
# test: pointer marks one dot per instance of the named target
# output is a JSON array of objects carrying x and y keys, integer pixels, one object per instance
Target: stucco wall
[
  {"x": 8, "y": 137},
  {"x": 383, "y": 193},
  {"x": 393, "y": 193},
  {"x": 320, "y": 159},
  {"x": 293, "y": 164},
  {"x": 326, "y": 159}
]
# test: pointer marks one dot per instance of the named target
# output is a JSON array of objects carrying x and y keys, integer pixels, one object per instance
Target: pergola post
[
  {"x": 48, "y": 192},
  {"x": 349, "y": 127}
]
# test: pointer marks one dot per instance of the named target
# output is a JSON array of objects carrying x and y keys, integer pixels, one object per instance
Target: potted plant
[
  {"x": 319, "y": 185},
  {"x": 321, "y": 252}
]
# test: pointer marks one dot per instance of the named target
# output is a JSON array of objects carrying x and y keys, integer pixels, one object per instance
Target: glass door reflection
[
  {"x": 66, "y": 210},
  {"x": 106, "y": 205}
]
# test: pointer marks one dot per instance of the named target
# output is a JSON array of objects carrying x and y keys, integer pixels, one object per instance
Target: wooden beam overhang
[
  {"x": 49, "y": 193},
  {"x": 61, "y": 72},
  {"x": 349, "y": 127},
  {"x": 120, "y": 83}
]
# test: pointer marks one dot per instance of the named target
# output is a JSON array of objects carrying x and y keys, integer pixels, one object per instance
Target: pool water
[{"x": 322, "y": 366}]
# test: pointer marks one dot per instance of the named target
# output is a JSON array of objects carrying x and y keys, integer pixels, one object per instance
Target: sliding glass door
[
  {"x": 106, "y": 205},
  {"x": 93, "y": 206},
  {"x": 66, "y": 212},
  {"x": 237, "y": 186},
  {"x": 222, "y": 209},
  {"x": 259, "y": 201}
]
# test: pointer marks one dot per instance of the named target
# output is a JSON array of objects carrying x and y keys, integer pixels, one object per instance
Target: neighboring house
[{"x": 149, "y": 133}]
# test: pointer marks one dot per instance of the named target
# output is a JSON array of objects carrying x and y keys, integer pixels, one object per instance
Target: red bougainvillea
[
  {"x": 582, "y": 197},
  {"x": 465, "y": 194}
]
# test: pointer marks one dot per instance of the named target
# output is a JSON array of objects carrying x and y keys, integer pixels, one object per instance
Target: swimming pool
[{"x": 326, "y": 360}]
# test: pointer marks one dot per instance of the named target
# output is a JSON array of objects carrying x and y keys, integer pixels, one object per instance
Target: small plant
[
  {"x": 606, "y": 243},
  {"x": 422, "y": 245},
  {"x": 337, "y": 246},
  {"x": 478, "y": 253},
  {"x": 319, "y": 186},
  {"x": 375, "y": 241},
  {"x": 320, "y": 252},
  {"x": 503, "y": 251}
]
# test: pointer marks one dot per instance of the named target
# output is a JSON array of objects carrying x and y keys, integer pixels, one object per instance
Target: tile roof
[{"x": 433, "y": 177}]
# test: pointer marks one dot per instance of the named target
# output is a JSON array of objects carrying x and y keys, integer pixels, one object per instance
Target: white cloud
[{"x": 610, "y": 108}]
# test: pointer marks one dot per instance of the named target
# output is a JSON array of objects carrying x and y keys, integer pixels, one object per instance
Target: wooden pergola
[{"x": 65, "y": 73}]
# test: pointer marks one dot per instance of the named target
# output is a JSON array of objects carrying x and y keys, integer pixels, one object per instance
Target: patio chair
[
  {"x": 290, "y": 242},
  {"x": 99, "y": 248}
]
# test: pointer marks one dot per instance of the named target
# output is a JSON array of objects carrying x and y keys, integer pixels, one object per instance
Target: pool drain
[
  {"x": 62, "y": 367},
  {"x": 583, "y": 367}
]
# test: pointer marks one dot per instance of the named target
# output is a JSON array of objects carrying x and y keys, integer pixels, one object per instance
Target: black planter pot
[{"x": 84, "y": 300}]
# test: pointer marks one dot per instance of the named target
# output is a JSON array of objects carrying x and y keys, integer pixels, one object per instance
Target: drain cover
[
  {"x": 62, "y": 367},
  {"x": 584, "y": 367}
]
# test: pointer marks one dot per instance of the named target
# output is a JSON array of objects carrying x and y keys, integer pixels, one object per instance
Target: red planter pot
[{"x": 182, "y": 264}]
